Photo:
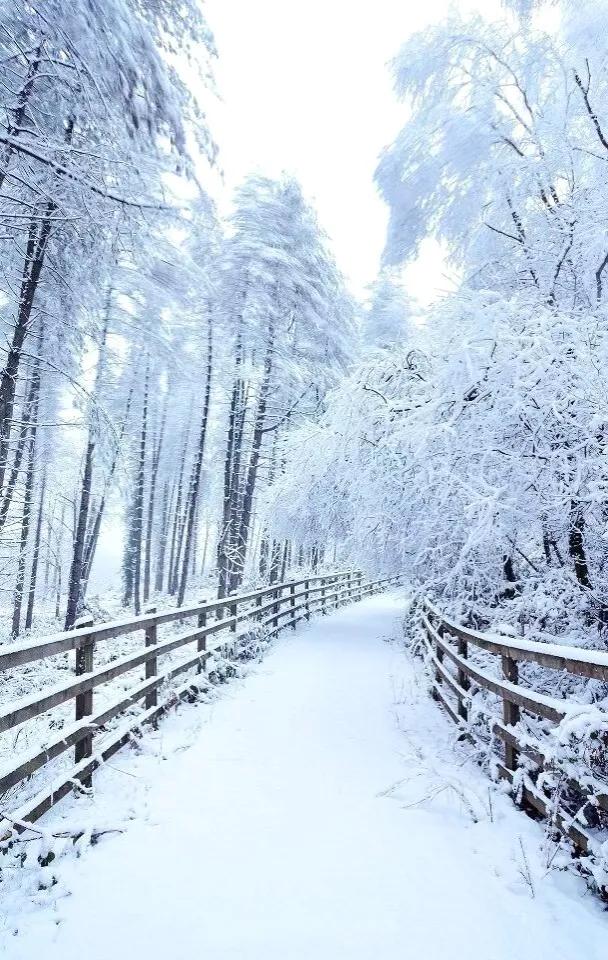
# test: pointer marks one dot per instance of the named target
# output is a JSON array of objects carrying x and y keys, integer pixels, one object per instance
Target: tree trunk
[
  {"x": 576, "y": 545},
  {"x": 76, "y": 578},
  {"x": 167, "y": 502},
  {"x": 31, "y": 598},
  {"x": 25, "y": 530},
  {"x": 29, "y": 406},
  {"x": 243, "y": 521},
  {"x": 95, "y": 527},
  {"x": 35, "y": 253},
  {"x": 138, "y": 516},
  {"x": 195, "y": 479},
  {"x": 151, "y": 504},
  {"x": 76, "y": 567},
  {"x": 177, "y": 523},
  {"x": 230, "y": 479}
]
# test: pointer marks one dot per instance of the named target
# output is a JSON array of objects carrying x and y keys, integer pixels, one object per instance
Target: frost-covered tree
[
  {"x": 389, "y": 310},
  {"x": 474, "y": 457},
  {"x": 93, "y": 117},
  {"x": 293, "y": 330},
  {"x": 503, "y": 156}
]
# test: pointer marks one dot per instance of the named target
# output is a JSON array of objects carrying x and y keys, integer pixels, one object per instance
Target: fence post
[
  {"x": 233, "y": 608},
  {"x": 307, "y": 598},
  {"x": 152, "y": 663},
  {"x": 276, "y": 608},
  {"x": 463, "y": 680},
  {"x": 201, "y": 643},
  {"x": 510, "y": 711},
  {"x": 439, "y": 656},
  {"x": 84, "y": 701},
  {"x": 292, "y": 590}
]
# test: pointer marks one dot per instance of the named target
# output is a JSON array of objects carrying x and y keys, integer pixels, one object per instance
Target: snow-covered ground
[{"x": 318, "y": 809}]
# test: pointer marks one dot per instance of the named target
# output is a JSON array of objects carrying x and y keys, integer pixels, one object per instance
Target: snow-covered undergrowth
[
  {"x": 574, "y": 773},
  {"x": 322, "y": 808}
]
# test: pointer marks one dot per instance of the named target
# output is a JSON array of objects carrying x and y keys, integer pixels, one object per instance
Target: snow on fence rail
[
  {"x": 531, "y": 763},
  {"x": 268, "y": 609}
]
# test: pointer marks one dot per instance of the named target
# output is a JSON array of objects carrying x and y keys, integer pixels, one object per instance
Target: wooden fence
[
  {"x": 578, "y": 809},
  {"x": 264, "y": 612}
]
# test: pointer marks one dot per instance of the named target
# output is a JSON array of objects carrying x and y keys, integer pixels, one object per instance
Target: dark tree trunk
[
  {"x": 576, "y": 545},
  {"x": 76, "y": 567},
  {"x": 31, "y": 597},
  {"x": 18, "y": 113},
  {"x": 29, "y": 406},
  {"x": 509, "y": 574},
  {"x": 243, "y": 521},
  {"x": 95, "y": 526},
  {"x": 195, "y": 479},
  {"x": 177, "y": 524},
  {"x": 224, "y": 559},
  {"x": 138, "y": 516},
  {"x": 167, "y": 501},
  {"x": 275, "y": 561},
  {"x": 35, "y": 253},
  {"x": 25, "y": 530},
  {"x": 151, "y": 504},
  {"x": 264, "y": 557},
  {"x": 77, "y": 575}
]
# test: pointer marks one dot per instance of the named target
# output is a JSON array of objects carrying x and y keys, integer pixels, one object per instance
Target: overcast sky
[{"x": 305, "y": 88}]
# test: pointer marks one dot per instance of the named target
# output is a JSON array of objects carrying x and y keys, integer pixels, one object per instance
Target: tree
[{"x": 293, "y": 330}]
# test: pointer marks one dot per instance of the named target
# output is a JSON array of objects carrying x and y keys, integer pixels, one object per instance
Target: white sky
[{"x": 305, "y": 88}]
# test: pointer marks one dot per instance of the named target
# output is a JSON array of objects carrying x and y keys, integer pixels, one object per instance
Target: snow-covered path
[{"x": 321, "y": 813}]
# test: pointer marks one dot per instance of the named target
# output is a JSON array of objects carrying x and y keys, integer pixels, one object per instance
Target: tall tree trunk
[
  {"x": 195, "y": 479},
  {"x": 37, "y": 242},
  {"x": 275, "y": 561},
  {"x": 286, "y": 560},
  {"x": 57, "y": 580},
  {"x": 29, "y": 406},
  {"x": 18, "y": 113},
  {"x": 25, "y": 530},
  {"x": 264, "y": 558},
  {"x": 177, "y": 523},
  {"x": 95, "y": 526},
  {"x": 31, "y": 597},
  {"x": 151, "y": 503},
  {"x": 243, "y": 521},
  {"x": 163, "y": 538},
  {"x": 576, "y": 545},
  {"x": 138, "y": 516},
  {"x": 224, "y": 535},
  {"x": 77, "y": 573},
  {"x": 76, "y": 566},
  {"x": 205, "y": 547}
]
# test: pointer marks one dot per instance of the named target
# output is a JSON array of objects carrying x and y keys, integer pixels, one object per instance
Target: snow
[
  {"x": 561, "y": 650},
  {"x": 320, "y": 808}
]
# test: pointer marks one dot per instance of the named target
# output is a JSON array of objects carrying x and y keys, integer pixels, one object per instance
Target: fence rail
[
  {"x": 525, "y": 758},
  {"x": 268, "y": 609}
]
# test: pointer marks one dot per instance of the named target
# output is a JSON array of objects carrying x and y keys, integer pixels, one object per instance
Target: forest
[
  {"x": 476, "y": 430},
  {"x": 154, "y": 356},
  {"x": 213, "y": 428},
  {"x": 205, "y": 389}
]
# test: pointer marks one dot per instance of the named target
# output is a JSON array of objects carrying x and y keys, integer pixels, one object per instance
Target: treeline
[
  {"x": 471, "y": 451},
  {"x": 154, "y": 358}
]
